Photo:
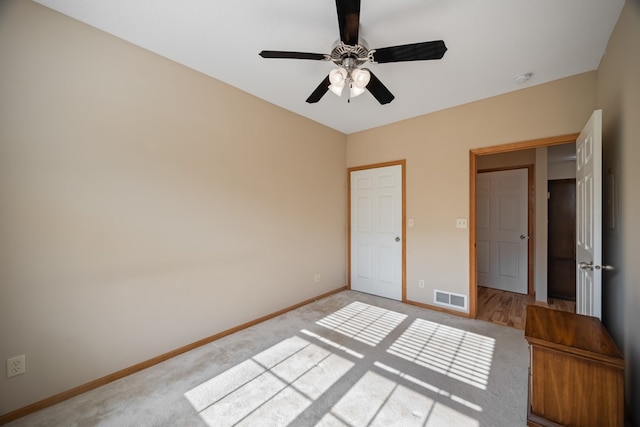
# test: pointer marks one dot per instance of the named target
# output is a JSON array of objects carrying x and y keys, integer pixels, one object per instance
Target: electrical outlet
[
  {"x": 316, "y": 278},
  {"x": 16, "y": 366},
  {"x": 421, "y": 283}
]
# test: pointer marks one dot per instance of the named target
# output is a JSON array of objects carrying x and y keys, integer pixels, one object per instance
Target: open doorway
[
  {"x": 561, "y": 259},
  {"x": 509, "y": 308},
  {"x": 561, "y": 208}
]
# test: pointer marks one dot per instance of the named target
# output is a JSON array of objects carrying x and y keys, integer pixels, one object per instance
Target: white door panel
[
  {"x": 376, "y": 231},
  {"x": 589, "y": 218},
  {"x": 501, "y": 230}
]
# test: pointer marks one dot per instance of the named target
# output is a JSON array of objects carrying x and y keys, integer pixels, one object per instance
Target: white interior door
[
  {"x": 589, "y": 218},
  {"x": 502, "y": 212},
  {"x": 376, "y": 231}
]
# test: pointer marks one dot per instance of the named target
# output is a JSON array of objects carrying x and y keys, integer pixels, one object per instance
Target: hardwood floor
[{"x": 509, "y": 309}]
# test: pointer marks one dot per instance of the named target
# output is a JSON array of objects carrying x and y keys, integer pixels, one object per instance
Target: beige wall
[
  {"x": 562, "y": 170},
  {"x": 618, "y": 92},
  {"x": 561, "y": 162},
  {"x": 436, "y": 147},
  {"x": 145, "y": 206},
  {"x": 503, "y": 160}
]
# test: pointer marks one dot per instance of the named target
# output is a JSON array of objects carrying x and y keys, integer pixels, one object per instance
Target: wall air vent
[{"x": 450, "y": 300}]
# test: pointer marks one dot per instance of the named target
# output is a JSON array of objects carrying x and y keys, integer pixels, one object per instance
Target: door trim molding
[
  {"x": 402, "y": 163},
  {"x": 473, "y": 169}
]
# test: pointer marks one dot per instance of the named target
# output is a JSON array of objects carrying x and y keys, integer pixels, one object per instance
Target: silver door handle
[
  {"x": 586, "y": 265},
  {"x": 590, "y": 266},
  {"x": 397, "y": 239},
  {"x": 522, "y": 236}
]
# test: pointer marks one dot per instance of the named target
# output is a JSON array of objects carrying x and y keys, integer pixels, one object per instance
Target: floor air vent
[{"x": 449, "y": 299}]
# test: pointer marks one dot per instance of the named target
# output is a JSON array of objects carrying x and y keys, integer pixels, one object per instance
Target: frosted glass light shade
[
  {"x": 338, "y": 76},
  {"x": 336, "y": 89},
  {"x": 355, "y": 90},
  {"x": 360, "y": 78}
]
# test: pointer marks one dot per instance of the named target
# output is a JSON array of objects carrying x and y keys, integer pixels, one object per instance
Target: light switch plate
[{"x": 461, "y": 223}]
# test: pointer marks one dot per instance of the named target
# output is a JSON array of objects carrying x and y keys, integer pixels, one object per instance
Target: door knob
[
  {"x": 522, "y": 237},
  {"x": 586, "y": 265},
  {"x": 590, "y": 266},
  {"x": 397, "y": 238}
]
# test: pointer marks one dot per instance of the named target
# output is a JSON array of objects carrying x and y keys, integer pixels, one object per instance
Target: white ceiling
[{"x": 490, "y": 42}]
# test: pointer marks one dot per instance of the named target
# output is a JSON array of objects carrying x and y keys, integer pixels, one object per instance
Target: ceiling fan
[{"x": 351, "y": 53}]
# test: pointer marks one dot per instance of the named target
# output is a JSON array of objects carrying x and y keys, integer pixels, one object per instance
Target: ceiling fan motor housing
[{"x": 350, "y": 57}]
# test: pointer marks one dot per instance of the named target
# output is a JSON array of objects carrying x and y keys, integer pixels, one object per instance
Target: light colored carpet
[{"x": 351, "y": 359}]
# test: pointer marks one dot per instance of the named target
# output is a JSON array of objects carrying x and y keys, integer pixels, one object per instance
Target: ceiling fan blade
[
  {"x": 292, "y": 55},
  {"x": 348, "y": 20},
  {"x": 317, "y": 94},
  {"x": 411, "y": 52},
  {"x": 378, "y": 90}
]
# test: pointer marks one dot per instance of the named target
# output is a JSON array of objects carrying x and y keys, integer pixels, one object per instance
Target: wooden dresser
[{"x": 576, "y": 375}]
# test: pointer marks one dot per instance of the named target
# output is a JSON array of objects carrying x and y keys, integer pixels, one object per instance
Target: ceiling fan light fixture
[
  {"x": 351, "y": 52},
  {"x": 354, "y": 90},
  {"x": 360, "y": 78},
  {"x": 336, "y": 89},
  {"x": 338, "y": 77}
]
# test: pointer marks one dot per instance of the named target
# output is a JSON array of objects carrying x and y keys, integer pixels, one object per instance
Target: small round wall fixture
[{"x": 523, "y": 78}]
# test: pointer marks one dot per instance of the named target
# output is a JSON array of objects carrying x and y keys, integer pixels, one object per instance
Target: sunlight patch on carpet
[
  {"x": 428, "y": 387},
  {"x": 333, "y": 344},
  {"x": 376, "y": 400},
  {"x": 457, "y": 353},
  {"x": 379, "y": 401},
  {"x": 271, "y": 388},
  {"x": 363, "y": 322}
]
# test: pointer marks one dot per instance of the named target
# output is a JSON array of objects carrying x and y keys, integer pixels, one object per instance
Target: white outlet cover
[{"x": 16, "y": 366}]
